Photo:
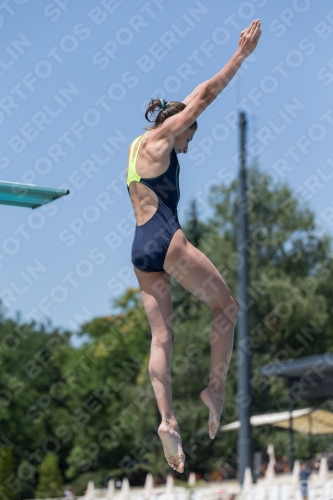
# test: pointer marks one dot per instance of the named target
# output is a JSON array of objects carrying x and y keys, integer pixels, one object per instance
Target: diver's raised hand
[{"x": 249, "y": 38}]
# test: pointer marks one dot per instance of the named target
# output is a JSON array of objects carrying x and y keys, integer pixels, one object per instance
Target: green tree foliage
[
  {"x": 194, "y": 228},
  {"x": 50, "y": 482},
  {"x": 8, "y": 489},
  {"x": 33, "y": 415}
]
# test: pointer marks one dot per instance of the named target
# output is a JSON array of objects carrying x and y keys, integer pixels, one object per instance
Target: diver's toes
[{"x": 180, "y": 467}]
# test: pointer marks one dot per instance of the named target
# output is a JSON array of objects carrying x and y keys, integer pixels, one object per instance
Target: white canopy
[{"x": 306, "y": 420}]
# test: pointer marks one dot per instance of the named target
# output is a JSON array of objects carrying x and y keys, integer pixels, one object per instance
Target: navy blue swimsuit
[{"x": 152, "y": 239}]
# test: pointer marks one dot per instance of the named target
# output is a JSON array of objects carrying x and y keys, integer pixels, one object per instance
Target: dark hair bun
[
  {"x": 154, "y": 107},
  {"x": 160, "y": 110}
]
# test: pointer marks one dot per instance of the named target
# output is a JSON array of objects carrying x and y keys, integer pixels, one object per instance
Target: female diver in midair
[{"x": 160, "y": 249}]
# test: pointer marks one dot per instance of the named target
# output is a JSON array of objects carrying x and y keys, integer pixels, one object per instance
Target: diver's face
[{"x": 182, "y": 140}]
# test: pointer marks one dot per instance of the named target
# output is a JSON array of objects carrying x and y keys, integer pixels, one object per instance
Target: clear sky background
[{"x": 75, "y": 81}]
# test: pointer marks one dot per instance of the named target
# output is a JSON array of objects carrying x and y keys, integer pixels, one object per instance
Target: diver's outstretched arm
[
  {"x": 206, "y": 92},
  {"x": 193, "y": 94}
]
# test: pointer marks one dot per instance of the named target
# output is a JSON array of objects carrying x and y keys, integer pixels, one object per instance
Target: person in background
[{"x": 304, "y": 475}]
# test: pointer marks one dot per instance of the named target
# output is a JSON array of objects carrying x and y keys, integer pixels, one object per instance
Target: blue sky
[{"x": 75, "y": 81}]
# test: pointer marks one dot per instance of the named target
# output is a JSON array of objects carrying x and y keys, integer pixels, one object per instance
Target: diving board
[{"x": 28, "y": 195}]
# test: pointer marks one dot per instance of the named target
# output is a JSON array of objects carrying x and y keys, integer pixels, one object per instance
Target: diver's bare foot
[
  {"x": 215, "y": 406},
  {"x": 172, "y": 445}
]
